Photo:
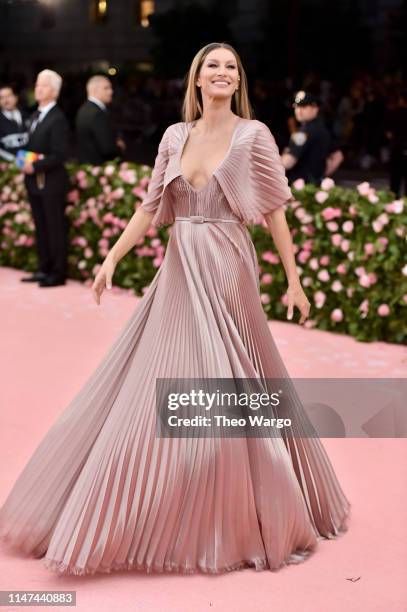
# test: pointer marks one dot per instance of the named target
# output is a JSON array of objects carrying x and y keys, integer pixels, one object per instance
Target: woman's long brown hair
[{"x": 192, "y": 107}]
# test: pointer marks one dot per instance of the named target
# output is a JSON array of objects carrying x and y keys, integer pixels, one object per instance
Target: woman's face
[{"x": 219, "y": 77}]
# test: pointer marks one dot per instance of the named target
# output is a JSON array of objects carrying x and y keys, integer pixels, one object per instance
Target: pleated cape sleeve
[
  {"x": 153, "y": 199},
  {"x": 253, "y": 177}
]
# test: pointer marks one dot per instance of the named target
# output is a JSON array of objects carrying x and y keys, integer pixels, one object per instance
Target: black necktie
[{"x": 34, "y": 120}]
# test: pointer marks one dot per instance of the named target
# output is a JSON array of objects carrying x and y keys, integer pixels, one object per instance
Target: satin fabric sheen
[{"x": 102, "y": 492}]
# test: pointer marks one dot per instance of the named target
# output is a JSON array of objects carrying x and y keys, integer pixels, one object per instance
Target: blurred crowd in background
[{"x": 362, "y": 115}]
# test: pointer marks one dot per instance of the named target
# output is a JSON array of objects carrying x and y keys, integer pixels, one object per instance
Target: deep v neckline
[{"x": 182, "y": 148}]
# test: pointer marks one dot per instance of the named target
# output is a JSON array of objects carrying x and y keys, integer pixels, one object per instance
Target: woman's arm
[
  {"x": 138, "y": 224},
  {"x": 280, "y": 232},
  {"x": 134, "y": 230}
]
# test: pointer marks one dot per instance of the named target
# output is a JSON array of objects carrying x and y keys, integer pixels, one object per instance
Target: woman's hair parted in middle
[{"x": 192, "y": 107}]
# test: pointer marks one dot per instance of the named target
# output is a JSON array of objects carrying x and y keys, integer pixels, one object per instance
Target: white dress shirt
[
  {"x": 97, "y": 102},
  {"x": 14, "y": 115},
  {"x": 45, "y": 109}
]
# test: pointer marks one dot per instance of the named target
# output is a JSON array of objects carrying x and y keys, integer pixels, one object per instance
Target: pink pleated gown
[{"x": 102, "y": 492}]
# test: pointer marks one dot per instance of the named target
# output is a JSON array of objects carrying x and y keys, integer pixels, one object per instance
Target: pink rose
[
  {"x": 321, "y": 196},
  {"x": 310, "y": 323},
  {"x": 364, "y": 280},
  {"x": 369, "y": 248},
  {"x": 313, "y": 263},
  {"x": 265, "y": 298},
  {"x": 108, "y": 218},
  {"x": 266, "y": 279},
  {"x": 270, "y": 257},
  {"x": 330, "y": 213},
  {"x": 73, "y": 196},
  {"x": 336, "y": 239},
  {"x": 118, "y": 193},
  {"x": 347, "y": 226},
  {"x": 332, "y": 226},
  {"x": 303, "y": 256},
  {"x": 299, "y": 184},
  {"x": 109, "y": 170},
  {"x": 345, "y": 245},
  {"x": 308, "y": 230},
  {"x": 139, "y": 192},
  {"x": 323, "y": 275},
  {"x": 372, "y": 197},
  {"x": 319, "y": 298},
  {"x": 80, "y": 175},
  {"x": 327, "y": 184},
  {"x": 364, "y": 306},
  {"x": 341, "y": 268},
  {"x": 128, "y": 176},
  {"x": 324, "y": 260},
  {"x": 337, "y": 286},
  {"x": 383, "y": 310},
  {"x": 81, "y": 241},
  {"x": 364, "y": 188},
  {"x": 337, "y": 315},
  {"x": 300, "y": 213},
  {"x": 157, "y": 261},
  {"x": 151, "y": 232},
  {"x": 103, "y": 243}
]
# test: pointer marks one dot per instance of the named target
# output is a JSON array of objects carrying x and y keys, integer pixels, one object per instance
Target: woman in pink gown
[{"x": 102, "y": 491}]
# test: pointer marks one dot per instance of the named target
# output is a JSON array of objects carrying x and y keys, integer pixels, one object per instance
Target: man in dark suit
[
  {"x": 47, "y": 181},
  {"x": 13, "y": 123},
  {"x": 96, "y": 142}
]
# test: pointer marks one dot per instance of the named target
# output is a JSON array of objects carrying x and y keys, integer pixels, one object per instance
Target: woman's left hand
[{"x": 297, "y": 297}]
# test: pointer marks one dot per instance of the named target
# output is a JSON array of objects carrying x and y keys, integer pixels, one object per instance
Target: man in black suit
[
  {"x": 96, "y": 143},
  {"x": 13, "y": 123},
  {"x": 47, "y": 181}
]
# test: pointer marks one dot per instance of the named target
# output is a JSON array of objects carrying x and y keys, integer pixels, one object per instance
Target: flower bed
[{"x": 350, "y": 246}]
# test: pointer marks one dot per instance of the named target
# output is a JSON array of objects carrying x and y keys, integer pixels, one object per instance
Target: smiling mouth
[{"x": 220, "y": 83}]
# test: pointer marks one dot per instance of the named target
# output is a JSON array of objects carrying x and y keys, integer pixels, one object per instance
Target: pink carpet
[{"x": 52, "y": 338}]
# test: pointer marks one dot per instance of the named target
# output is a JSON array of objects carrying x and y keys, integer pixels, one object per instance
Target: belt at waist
[{"x": 202, "y": 219}]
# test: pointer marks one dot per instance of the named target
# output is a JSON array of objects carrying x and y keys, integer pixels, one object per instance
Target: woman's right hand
[{"x": 103, "y": 278}]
